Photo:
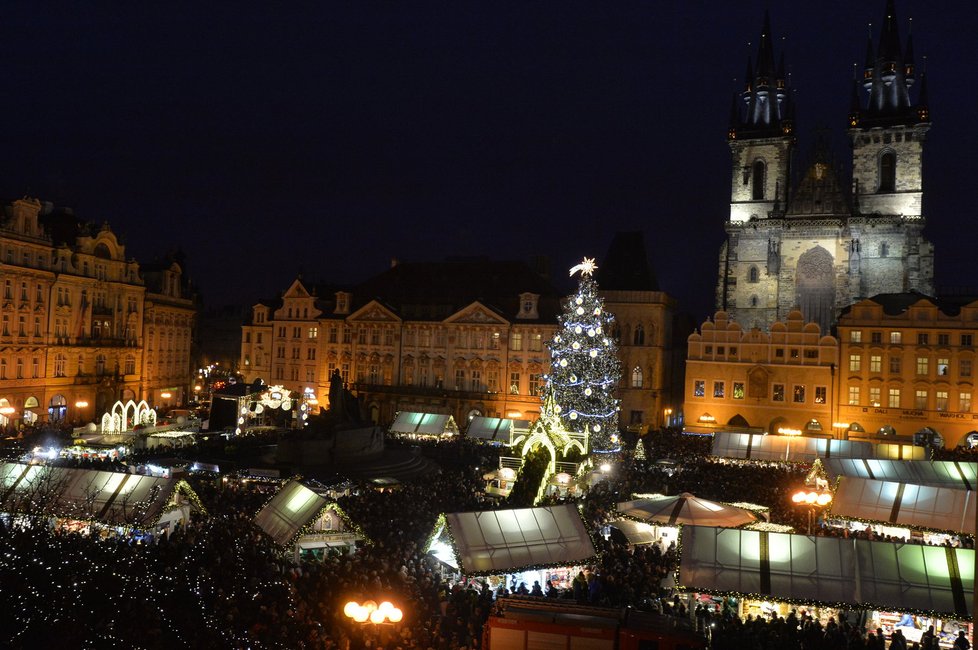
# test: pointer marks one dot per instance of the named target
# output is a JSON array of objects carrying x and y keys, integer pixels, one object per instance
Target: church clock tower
[{"x": 815, "y": 242}]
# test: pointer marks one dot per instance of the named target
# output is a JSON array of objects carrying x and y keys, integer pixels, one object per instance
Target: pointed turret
[
  {"x": 734, "y": 116},
  {"x": 888, "y": 76},
  {"x": 870, "y": 61},
  {"x": 908, "y": 67},
  {"x": 765, "y": 95}
]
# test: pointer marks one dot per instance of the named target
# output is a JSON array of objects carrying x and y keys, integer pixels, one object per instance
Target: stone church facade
[{"x": 811, "y": 241}]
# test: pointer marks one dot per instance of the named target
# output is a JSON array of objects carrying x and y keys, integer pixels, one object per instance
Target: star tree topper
[{"x": 587, "y": 267}]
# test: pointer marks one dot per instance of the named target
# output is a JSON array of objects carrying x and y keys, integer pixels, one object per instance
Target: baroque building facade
[
  {"x": 784, "y": 379},
  {"x": 908, "y": 369},
  {"x": 820, "y": 243},
  {"x": 76, "y": 318},
  {"x": 465, "y": 337}
]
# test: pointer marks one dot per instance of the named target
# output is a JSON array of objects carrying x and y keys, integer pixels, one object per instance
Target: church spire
[
  {"x": 766, "y": 103},
  {"x": 888, "y": 76}
]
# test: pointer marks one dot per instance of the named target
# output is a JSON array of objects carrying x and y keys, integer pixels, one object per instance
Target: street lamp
[
  {"x": 811, "y": 499},
  {"x": 371, "y": 611},
  {"x": 843, "y": 428}
]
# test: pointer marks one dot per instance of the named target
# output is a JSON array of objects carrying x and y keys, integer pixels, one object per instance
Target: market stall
[
  {"x": 804, "y": 449},
  {"x": 886, "y": 576},
  {"x": 523, "y": 545},
  {"x": 409, "y": 424},
  {"x": 661, "y": 515},
  {"x": 500, "y": 431},
  {"x": 85, "y": 499},
  {"x": 306, "y": 522},
  {"x": 938, "y": 473},
  {"x": 905, "y": 505}
]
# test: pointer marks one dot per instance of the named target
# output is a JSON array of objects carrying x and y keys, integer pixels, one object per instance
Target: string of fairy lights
[{"x": 584, "y": 367}]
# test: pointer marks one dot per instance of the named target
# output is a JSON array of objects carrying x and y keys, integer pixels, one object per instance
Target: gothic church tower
[{"x": 817, "y": 243}]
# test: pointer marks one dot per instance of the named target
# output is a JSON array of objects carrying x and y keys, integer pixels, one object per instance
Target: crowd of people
[{"x": 219, "y": 582}]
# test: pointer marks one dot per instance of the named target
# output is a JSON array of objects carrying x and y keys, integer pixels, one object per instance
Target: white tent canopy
[
  {"x": 636, "y": 532},
  {"x": 111, "y": 498},
  {"x": 288, "y": 511},
  {"x": 882, "y": 575},
  {"x": 424, "y": 424},
  {"x": 905, "y": 504},
  {"x": 938, "y": 473},
  {"x": 504, "y": 541},
  {"x": 757, "y": 446},
  {"x": 501, "y": 430},
  {"x": 685, "y": 509}
]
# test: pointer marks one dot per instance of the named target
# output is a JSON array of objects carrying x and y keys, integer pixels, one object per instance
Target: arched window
[
  {"x": 884, "y": 249},
  {"x": 639, "y": 336},
  {"x": 888, "y": 172},
  {"x": 637, "y": 377},
  {"x": 757, "y": 181},
  {"x": 753, "y": 274},
  {"x": 753, "y": 301}
]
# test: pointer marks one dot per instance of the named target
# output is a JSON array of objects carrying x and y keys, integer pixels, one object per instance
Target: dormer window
[
  {"x": 529, "y": 306},
  {"x": 342, "y": 302}
]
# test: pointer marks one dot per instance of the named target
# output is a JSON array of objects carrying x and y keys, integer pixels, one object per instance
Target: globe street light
[
  {"x": 371, "y": 611},
  {"x": 811, "y": 499}
]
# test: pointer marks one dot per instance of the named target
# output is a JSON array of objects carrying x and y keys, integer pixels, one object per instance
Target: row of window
[
  {"x": 894, "y": 399},
  {"x": 779, "y": 353},
  {"x": 799, "y": 392},
  {"x": 923, "y": 338},
  {"x": 60, "y": 366},
  {"x": 476, "y": 340},
  {"x": 24, "y": 293},
  {"x": 895, "y": 365},
  {"x": 296, "y": 353},
  {"x": 40, "y": 261}
]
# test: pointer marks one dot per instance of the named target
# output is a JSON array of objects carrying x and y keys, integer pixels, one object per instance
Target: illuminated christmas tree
[{"x": 584, "y": 367}]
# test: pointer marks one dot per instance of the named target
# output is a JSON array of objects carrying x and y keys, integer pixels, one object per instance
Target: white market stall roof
[
  {"x": 685, "y": 509},
  {"x": 497, "y": 429},
  {"x": 112, "y": 498},
  {"x": 425, "y": 424},
  {"x": 905, "y": 504},
  {"x": 938, "y": 473},
  {"x": 292, "y": 508},
  {"x": 636, "y": 532},
  {"x": 875, "y": 575},
  {"x": 505, "y": 541},
  {"x": 758, "y": 446}
]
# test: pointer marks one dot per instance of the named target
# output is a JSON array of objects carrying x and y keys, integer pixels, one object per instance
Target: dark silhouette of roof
[
  {"x": 626, "y": 265},
  {"x": 896, "y": 303},
  {"x": 435, "y": 290}
]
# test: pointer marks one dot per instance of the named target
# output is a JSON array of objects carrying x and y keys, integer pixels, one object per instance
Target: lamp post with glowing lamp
[
  {"x": 81, "y": 405},
  {"x": 371, "y": 612},
  {"x": 811, "y": 499},
  {"x": 842, "y": 428}
]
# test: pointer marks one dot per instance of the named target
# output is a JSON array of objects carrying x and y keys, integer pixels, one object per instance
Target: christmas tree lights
[{"x": 584, "y": 367}]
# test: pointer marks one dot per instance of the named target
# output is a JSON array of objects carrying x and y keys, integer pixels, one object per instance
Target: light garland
[{"x": 585, "y": 367}]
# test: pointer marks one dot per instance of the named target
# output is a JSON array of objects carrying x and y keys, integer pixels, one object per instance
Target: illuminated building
[
  {"x": 461, "y": 337},
  {"x": 908, "y": 366},
  {"x": 465, "y": 338},
  {"x": 77, "y": 319},
  {"x": 777, "y": 381},
  {"x": 645, "y": 321},
  {"x": 826, "y": 241}
]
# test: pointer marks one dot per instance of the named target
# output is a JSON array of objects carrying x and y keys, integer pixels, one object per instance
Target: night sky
[{"x": 261, "y": 137}]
